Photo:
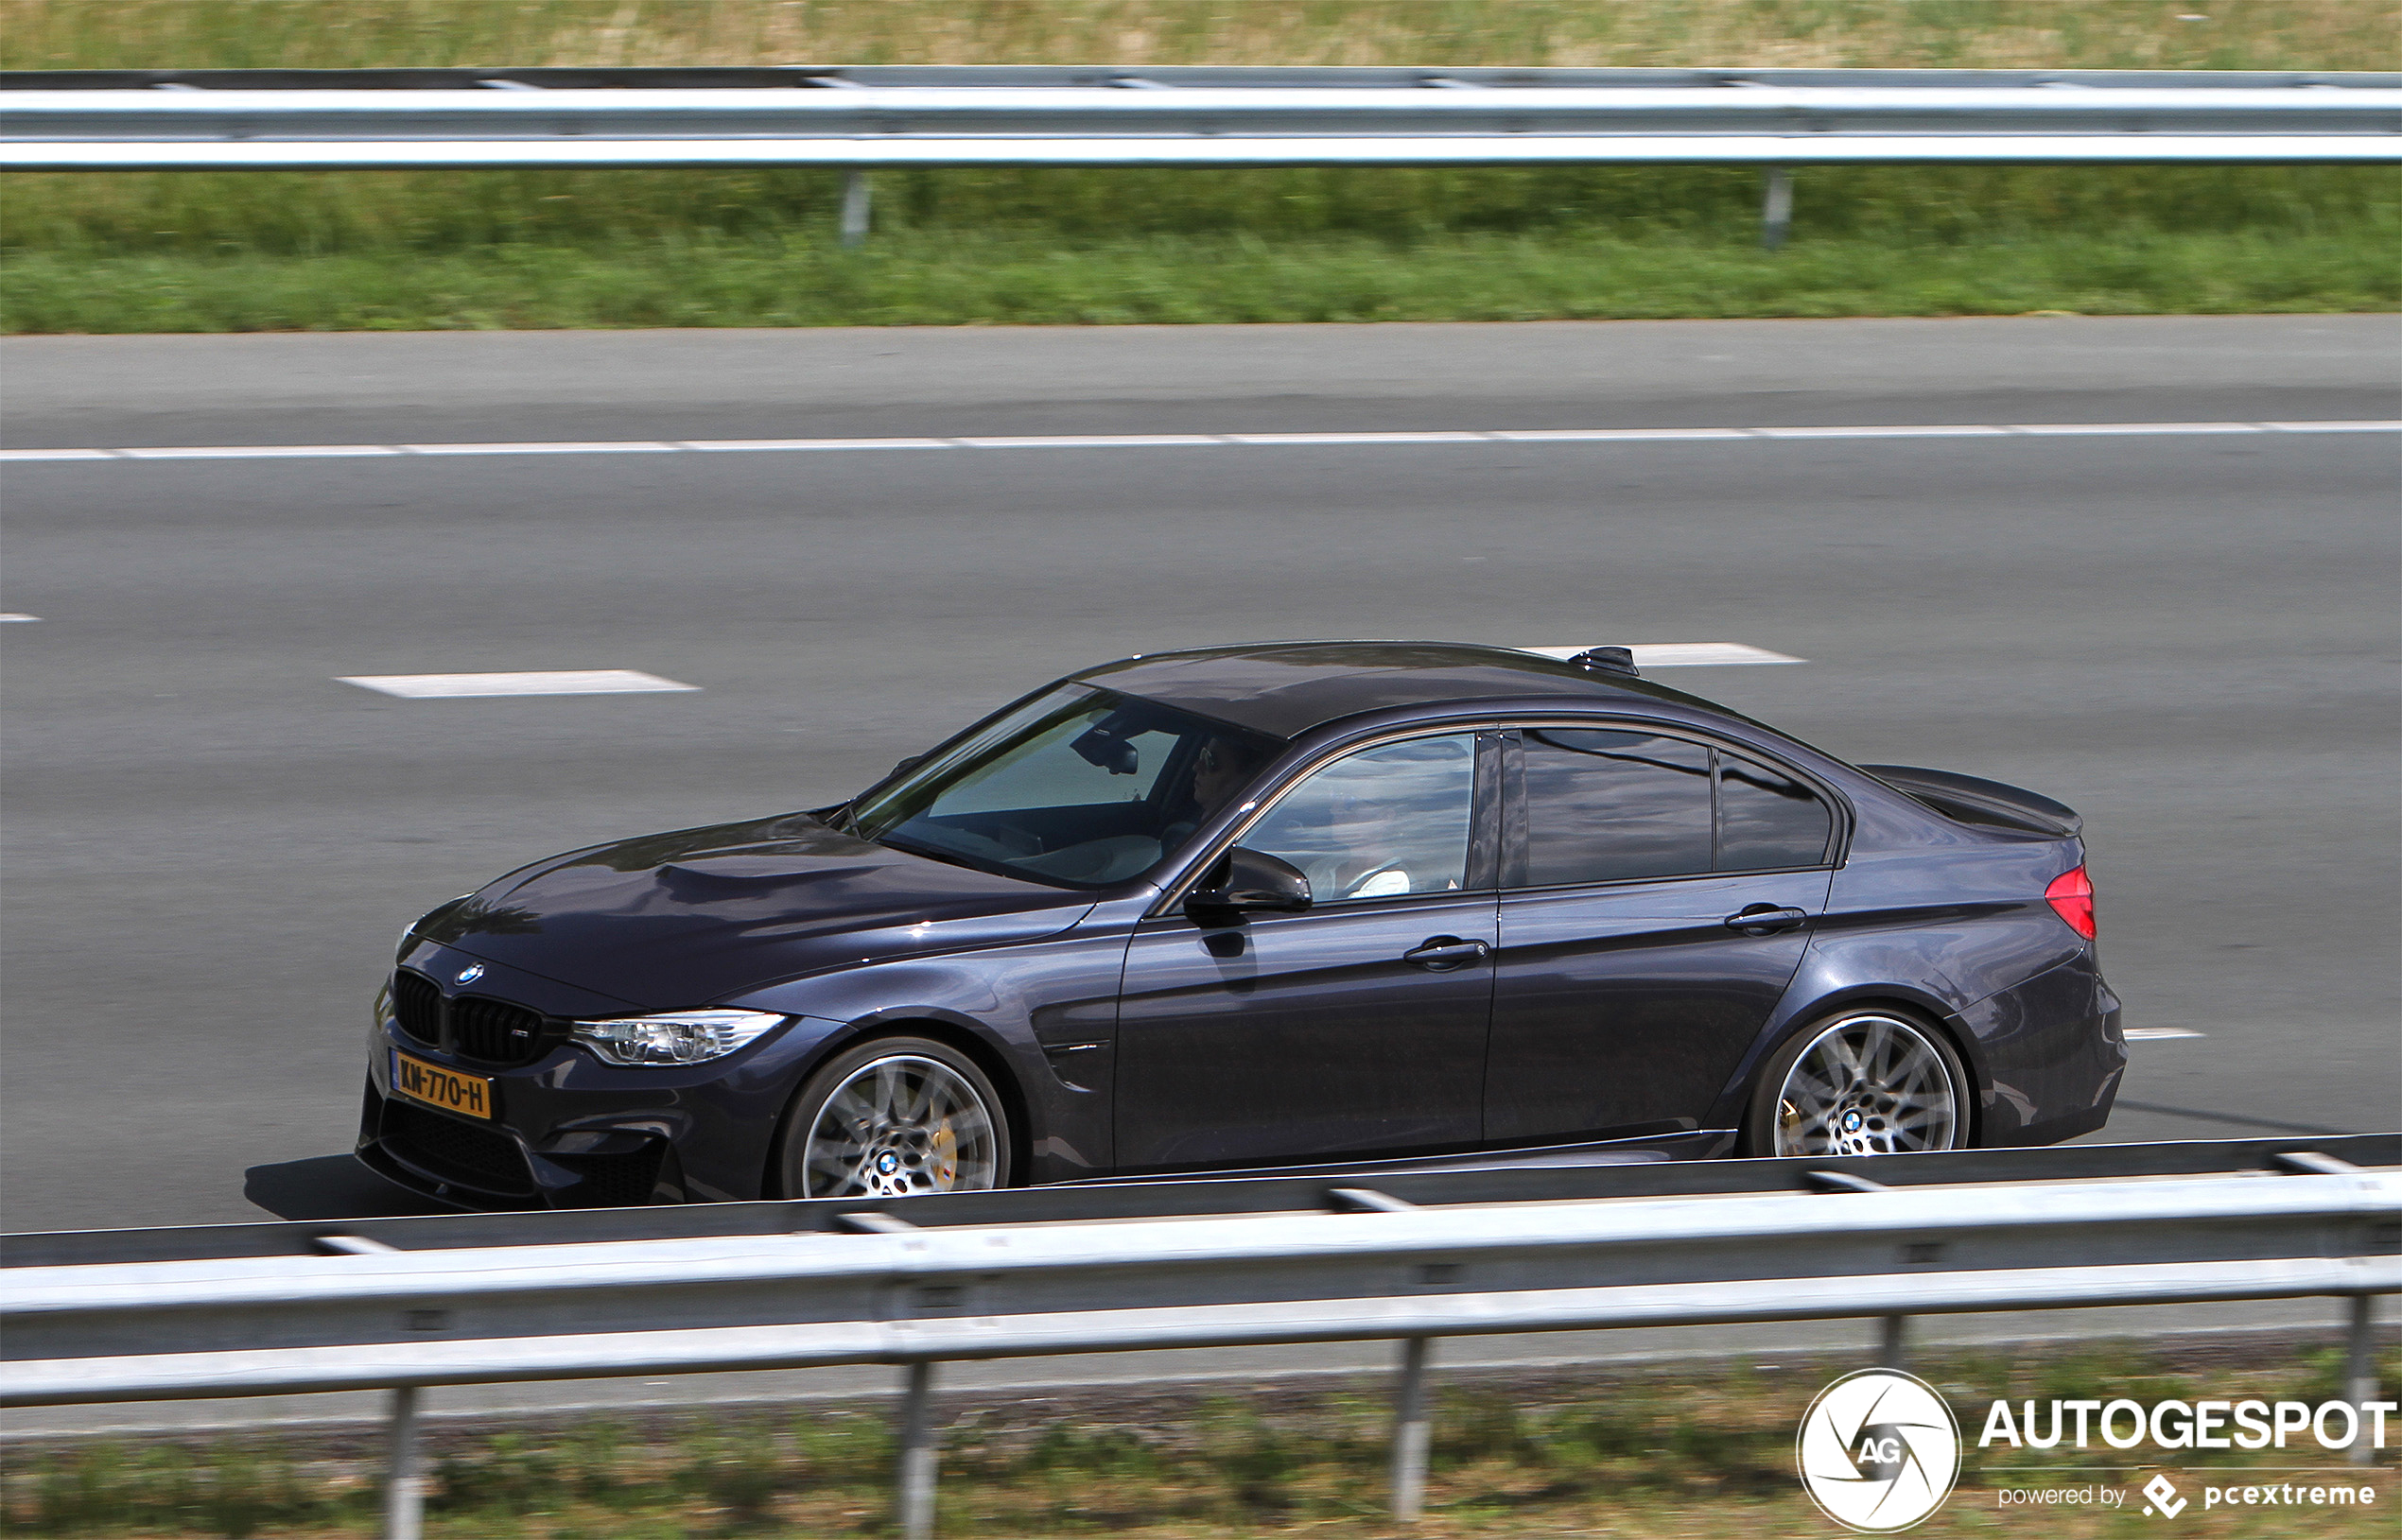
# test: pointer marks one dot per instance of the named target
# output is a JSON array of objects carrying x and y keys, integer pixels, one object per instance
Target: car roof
[{"x": 1287, "y": 688}]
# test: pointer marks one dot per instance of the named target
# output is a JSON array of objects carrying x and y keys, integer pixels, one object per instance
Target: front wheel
[
  {"x": 1865, "y": 1083},
  {"x": 892, "y": 1119}
]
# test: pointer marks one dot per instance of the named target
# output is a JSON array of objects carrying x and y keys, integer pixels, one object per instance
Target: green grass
[
  {"x": 528, "y": 249},
  {"x": 197, "y": 214},
  {"x": 1668, "y": 1455},
  {"x": 955, "y": 279}
]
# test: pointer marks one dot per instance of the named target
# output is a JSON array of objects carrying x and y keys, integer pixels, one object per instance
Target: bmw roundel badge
[{"x": 471, "y": 973}]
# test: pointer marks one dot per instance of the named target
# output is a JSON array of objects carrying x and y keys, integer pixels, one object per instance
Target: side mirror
[{"x": 1249, "y": 881}]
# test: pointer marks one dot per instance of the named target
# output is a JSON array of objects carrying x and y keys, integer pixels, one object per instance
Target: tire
[
  {"x": 1860, "y": 1082},
  {"x": 897, "y": 1117}
]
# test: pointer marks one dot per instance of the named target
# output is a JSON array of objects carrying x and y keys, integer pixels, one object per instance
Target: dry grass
[{"x": 2101, "y": 34}]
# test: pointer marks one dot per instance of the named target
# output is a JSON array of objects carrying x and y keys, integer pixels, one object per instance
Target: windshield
[{"x": 1082, "y": 788}]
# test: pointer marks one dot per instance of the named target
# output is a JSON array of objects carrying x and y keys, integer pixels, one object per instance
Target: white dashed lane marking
[
  {"x": 5, "y": 618},
  {"x": 1678, "y": 654},
  {"x": 2156, "y": 1034},
  {"x": 1182, "y": 441},
  {"x": 570, "y": 682}
]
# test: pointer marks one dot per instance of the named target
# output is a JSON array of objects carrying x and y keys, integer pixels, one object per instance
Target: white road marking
[
  {"x": 2155, "y": 1034},
  {"x": 1676, "y": 654},
  {"x": 1357, "y": 438},
  {"x": 600, "y": 447},
  {"x": 2079, "y": 429},
  {"x": 1931, "y": 430},
  {"x": 1617, "y": 435},
  {"x": 6, "y": 619},
  {"x": 570, "y": 682},
  {"x": 1180, "y": 440},
  {"x": 722, "y": 446},
  {"x": 1105, "y": 440}
]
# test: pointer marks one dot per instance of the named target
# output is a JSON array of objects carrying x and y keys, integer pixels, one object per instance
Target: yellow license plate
[{"x": 468, "y": 1095}]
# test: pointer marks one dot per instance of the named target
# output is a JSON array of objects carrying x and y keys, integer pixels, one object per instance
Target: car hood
[{"x": 678, "y": 919}]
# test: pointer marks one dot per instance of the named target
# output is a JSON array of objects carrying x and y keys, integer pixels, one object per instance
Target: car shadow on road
[{"x": 329, "y": 1187}]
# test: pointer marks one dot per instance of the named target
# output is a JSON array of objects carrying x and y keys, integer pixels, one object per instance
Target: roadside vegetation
[
  {"x": 1666, "y": 1455},
  {"x": 211, "y": 251}
]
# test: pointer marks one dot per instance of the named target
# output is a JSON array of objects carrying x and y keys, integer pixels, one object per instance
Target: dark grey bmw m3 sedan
[{"x": 1323, "y": 904}]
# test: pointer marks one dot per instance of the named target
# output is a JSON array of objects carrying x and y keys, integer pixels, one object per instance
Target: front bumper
[
  {"x": 572, "y": 1131},
  {"x": 492, "y": 1166}
]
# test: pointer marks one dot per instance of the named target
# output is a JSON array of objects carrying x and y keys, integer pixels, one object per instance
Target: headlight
[{"x": 677, "y": 1037}]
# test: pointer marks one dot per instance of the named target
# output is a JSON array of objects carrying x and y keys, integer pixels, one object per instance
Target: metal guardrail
[
  {"x": 1132, "y": 1267},
  {"x": 868, "y": 117},
  {"x": 857, "y": 118}
]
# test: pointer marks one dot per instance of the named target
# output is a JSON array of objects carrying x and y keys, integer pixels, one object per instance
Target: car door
[
  {"x": 1629, "y": 984},
  {"x": 1357, "y": 1027}
]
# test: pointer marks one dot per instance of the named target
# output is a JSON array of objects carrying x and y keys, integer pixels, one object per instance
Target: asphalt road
[{"x": 210, "y": 843}]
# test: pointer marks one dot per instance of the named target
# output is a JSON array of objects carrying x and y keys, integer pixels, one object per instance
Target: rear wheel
[
  {"x": 895, "y": 1117},
  {"x": 1860, "y": 1083}
]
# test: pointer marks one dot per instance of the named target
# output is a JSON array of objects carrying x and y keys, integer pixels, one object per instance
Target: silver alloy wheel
[
  {"x": 901, "y": 1125},
  {"x": 1867, "y": 1085}
]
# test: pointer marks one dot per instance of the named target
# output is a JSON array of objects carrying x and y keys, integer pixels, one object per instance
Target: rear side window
[
  {"x": 1766, "y": 819},
  {"x": 1612, "y": 805}
]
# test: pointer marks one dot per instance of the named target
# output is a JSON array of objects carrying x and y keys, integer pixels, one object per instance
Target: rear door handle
[
  {"x": 1767, "y": 918},
  {"x": 1440, "y": 954}
]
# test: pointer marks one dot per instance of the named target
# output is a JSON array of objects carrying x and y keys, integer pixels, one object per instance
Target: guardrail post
[
  {"x": 1892, "y": 1334},
  {"x": 1776, "y": 208},
  {"x": 1410, "y": 1432},
  {"x": 856, "y": 207},
  {"x": 404, "y": 1488},
  {"x": 917, "y": 1454},
  {"x": 2360, "y": 1375}
]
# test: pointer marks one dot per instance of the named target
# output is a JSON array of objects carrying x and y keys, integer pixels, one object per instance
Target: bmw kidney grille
[{"x": 471, "y": 1026}]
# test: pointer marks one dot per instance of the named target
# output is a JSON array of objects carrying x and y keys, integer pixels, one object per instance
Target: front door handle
[
  {"x": 1767, "y": 918},
  {"x": 1440, "y": 954}
]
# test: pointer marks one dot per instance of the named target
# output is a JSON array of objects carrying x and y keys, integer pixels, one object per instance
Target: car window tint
[
  {"x": 1612, "y": 806},
  {"x": 1766, "y": 819},
  {"x": 1048, "y": 773},
  {"x": 1082, "y": 786},
  {"x": 1384, "y": 822}
]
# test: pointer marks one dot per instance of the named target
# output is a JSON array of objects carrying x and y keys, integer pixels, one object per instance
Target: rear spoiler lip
[{"x": 2010, "y": 804}]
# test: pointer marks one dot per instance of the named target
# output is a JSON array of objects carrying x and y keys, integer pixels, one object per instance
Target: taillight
[{"x": 2072, "y": 895}]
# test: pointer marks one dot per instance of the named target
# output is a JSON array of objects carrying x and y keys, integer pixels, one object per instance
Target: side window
[
  {"x": 1766, "y": 819},
  {"x": 1611, "y": 807},
  {"x": 1380, "y": 823}
]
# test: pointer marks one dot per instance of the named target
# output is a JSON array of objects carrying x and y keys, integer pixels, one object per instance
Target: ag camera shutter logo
[{"x": 1878, "y": 1450}]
